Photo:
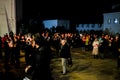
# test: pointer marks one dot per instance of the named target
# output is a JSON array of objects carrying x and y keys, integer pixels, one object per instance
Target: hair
[{"x": 39, "y": 40}]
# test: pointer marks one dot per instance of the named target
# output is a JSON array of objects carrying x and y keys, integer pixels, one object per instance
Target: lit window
[
  {"x": 115, "y": 20},
  {"x": 109, "y": 21}
]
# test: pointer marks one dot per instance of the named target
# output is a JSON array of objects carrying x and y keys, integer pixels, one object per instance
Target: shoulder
[{"x": 41, "y": 48}]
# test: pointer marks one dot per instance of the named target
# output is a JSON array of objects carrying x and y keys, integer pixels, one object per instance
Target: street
[{"x": 84, "y": 67}]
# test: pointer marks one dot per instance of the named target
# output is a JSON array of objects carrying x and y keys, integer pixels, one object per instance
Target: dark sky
[{"x": 80, "y": 11}]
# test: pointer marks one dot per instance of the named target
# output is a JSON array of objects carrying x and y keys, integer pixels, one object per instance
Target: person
[
  {"x": 7, "y": 54},
  {"x": 1, "y": 48},
  {"x": 95, "y": 50},
  {"x": 39, "y": 66},
  {"x": 116, "y": 48},
  {"x": 65, "y": 55}
]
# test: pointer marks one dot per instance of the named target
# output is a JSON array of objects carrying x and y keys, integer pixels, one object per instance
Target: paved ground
[{"x": 84, "y": 68}]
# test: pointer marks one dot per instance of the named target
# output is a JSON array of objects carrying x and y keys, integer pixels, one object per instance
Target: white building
[
  {"x": 111, "y": 22},
  {"x": 50, "y": 23}
]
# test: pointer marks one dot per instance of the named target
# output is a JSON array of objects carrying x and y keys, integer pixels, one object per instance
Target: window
[
  {"x": 99, "y": 25},
  {"x": 116, "y": 21},
  {"x": 109, "y": 21},
  {"x": 82, "y": 25},
  {"x": 119, "y": 20},
  {"x": 92, "y": 25},
  {"x": 87, "y": 25}
]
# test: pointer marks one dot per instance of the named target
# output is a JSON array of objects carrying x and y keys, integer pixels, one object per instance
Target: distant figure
[
  {"x": 11, "y": 34},
  {"x": 65, "y": 55},
  {"x": 95, "y": 50}
]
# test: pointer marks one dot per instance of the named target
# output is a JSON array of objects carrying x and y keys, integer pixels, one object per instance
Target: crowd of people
[{"x": 37, "y": 48}]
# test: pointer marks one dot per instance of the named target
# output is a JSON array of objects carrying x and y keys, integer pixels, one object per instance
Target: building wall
[
  {"x": 50, "y": 23},
  {"x": 19, "y": 10},
  {"x": 112, "y": 22},
  {"x": 7, "y": 16},
  {"x": 65, "y": 23},
  {"x": 85, "y": 27},
  {"x": 3, "y": 20}
]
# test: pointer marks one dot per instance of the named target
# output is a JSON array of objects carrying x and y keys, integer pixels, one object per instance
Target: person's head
[
  {"x": 63, "y": 42},
  {"x": 39, "y": 41},
  {"x": 96, "y": 39}
]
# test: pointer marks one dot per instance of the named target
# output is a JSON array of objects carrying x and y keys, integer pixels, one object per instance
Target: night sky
[{"x": 83, "y": 11}]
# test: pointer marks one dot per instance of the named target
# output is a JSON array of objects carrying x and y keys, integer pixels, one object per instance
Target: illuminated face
[{"x": 63, "y": 42}]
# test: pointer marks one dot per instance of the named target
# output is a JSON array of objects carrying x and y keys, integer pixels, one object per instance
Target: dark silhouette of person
[
  {"x": 7, "y": 54},
  {"x": 39, "y": 66},
  {"x": 1, "y": 48},
  {"x": 117, "y": 50}
]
